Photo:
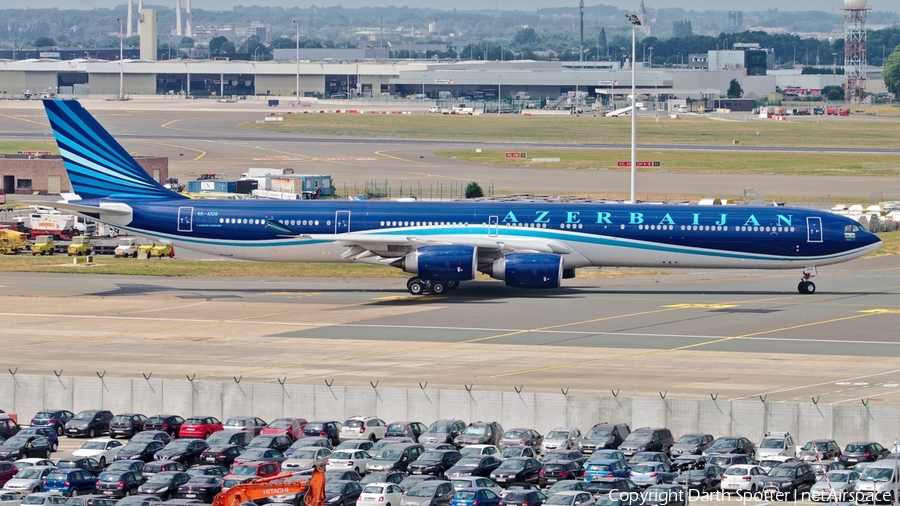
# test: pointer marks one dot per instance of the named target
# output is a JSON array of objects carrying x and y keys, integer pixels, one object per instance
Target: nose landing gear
[{"x": 806, "y": 286}]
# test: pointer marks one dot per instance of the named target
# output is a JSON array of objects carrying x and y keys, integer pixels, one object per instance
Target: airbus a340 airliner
[{"x": 528, "y": 245}]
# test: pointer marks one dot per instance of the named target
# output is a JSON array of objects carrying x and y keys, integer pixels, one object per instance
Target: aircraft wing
[
  {"x": 112, "y": 213},
  {"x": 367, "y": 245}
]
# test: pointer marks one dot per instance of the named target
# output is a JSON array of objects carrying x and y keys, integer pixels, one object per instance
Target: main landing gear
[
  {"x": 418, "y": 286},
  {"x": 806, "y": 286}
]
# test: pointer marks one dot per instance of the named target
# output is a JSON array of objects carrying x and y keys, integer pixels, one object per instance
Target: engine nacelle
[
  {"x": 529, "y": 270},
  {"x": 441, "y": 263}
]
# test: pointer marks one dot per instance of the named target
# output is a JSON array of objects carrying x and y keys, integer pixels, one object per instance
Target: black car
[
  {"x": 240, "y": 438},
  {"x": 394, "y": 477},
  {"x": 727, "y": 460},
  {"x": 329, "y": 429},
  {"x": 278, "y": 442},
  {"x": 208, "y": 471},
  {"x": 86, "y": 463},
  {"x": 434, "y": 462},
  {"x": 22, "y": 447},
  {"x": 704, "y": 480},
  {"x": 165, "y": 485},
  {"x": 89, "y": 422},
  {"x": 126, "y": 424},
  {"x": 170, "y": 424},
  {"x": 524, "y": 498},
  {"x": 824, "y": 449},
  {"x": 430, "y": 493},
  {"x": 604, "y": 436},
  {"x": 342, "y": 493},
  {"x": 221, "y": 455},
  {"x": 488, "y": 433},
  {"x": 411, "y": 481},
  {"x": 152, "y": 435},
  {"x": 126, "y": 465},
  {"x": 442, "y": 431},
  {"x": 559, "y": 470},
  {"x": 140, "y": 451},
  {"x": 517, "y": 470},
  {"x": 476, "y": 465},
  {"x": 202, "y": 487},
  {"x": 564, "y": 455},
  {"x": 411, "y": 430},
  {"x": 260, "y": 455},
  {"x": 342, "y": 475},
  {"x": 788, "y": 480},
  {"x": 186, "y": 451},
  {"x": 862, "y": 451},
  {"x": 118, "y": 484},
  {"x": 691, "y": 444},
  {"x": 732, "y": 445},
  {"x": 161, "y": 466},
  {"x": 603, "y": 486},
  {"x": 8, "y": 428},
  {"x": 55, "y": 418},
  {"x": 647, "y": 439}
]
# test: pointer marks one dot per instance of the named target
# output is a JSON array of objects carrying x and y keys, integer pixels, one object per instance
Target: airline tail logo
[{"x": 97, "y": 165}]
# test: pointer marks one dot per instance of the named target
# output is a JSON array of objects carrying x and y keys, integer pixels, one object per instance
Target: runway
[{"x": 735, "y": 334}]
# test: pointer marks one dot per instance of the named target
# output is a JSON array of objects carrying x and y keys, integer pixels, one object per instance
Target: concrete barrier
[{"x": 27, "y": 394}]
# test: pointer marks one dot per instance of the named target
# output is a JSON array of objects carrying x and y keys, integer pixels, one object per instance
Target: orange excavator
[{"x": 267, "y": 487}]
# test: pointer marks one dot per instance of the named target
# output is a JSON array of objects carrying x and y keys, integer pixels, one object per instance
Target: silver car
[
  {"x": 28, "y": 480},
  {"x": 305, "y": 458},
  {"x": 836, "y": 488},
  {"x": 561, "y": 438}
]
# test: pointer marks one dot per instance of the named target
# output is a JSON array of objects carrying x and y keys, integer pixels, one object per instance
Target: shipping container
[
  {"x": 246, "y": 186},
  {"x": 300, "y": 183},
  {"x": 213, "y": 186}
]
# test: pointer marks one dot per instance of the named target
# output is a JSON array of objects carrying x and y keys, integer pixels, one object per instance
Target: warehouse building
[{"x": 43, "y": 174}]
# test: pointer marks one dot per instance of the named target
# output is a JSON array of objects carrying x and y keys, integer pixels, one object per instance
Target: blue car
[
  {"x": 70, "y": 482},
  {"x": 45, "y": 431},
  {"x": 608, "y": 455},
  {"x": 596, "y": 469},
  {"x": 479, "y": 496}
]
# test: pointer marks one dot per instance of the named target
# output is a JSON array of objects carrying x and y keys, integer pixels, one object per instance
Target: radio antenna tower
[{"x": 855, "y": 49}]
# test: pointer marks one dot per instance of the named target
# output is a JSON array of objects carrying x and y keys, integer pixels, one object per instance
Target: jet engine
[
  {"x": 528, "y": 270},
  {"x": 441, "y": 263}
]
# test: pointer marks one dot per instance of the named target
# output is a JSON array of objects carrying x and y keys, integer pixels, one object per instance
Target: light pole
[
  {"x": 256, "y": 53},
  {"x": 650, "y": 60},
  {"x": 297, "y": 22},
  {"x": 121, "y": 63},
  {"x": 635, "y": 22}
]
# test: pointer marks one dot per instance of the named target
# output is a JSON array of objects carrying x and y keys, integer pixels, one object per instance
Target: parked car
[
  {"x": 47, "y": 432},
  {"x": 511, "y": 452},
  {"x": 567, "y": 485},
  {"x": 475, "y": 497},
  {"x": 434, "y": 462},
  {"x": 306, "y": 458},
  {"x": 139, "y": 451},
  {"x": 776, "y": 444},
  {"x": 161, "y": 466},
  {"x": 11, "y": 498},
  {"x": 358, "y": 444},
  {"x": 311, "y": 442},
  {"x": 691, "y": 444},
  {"x": 363, "y": 427},
  {"x": 43, "y": 499},
  {"x": 837, "y": 488},
  {"x": 743, "y": 478},
  {"x": 23, "y": 463},
  {"x": 126, "y": 424},
  {"x": 559, "y": 470},
  {"x": 862, "y": 451},
  {"x": 561, "y": 438},
  {"x": 353, "y": 460},
  {"x": 207, "y": 470},
  {"x": 345, "y": 474},
  {"x": 230, "y": 437},
  {"x": 598, "y": 469},
  {"x": 91, "y": 500},
  {"x": 20, "y": 447},
  {"x": 769, "y": 462},
  {"x": 521, "y": 436},
  {"x": 570, "y": 498},
  {"x": 221, "y": 455},
  {"x": 327, "y": 429},
  {"x": 290, "y": 427},
  {"x": 205, "y": 488},
  {"x": 727, "y": 460},
  {"x": 608, "y": 455},
  {"x": 395, "y": 457},
  {"x": 789, "y": 480},
  {"x": 408, "y": 429},
  {"x": 474, "y": 466},
  {"x": 604, "y": 436},
  {"x": 732, "y": 445},
  {"x": 251, "y": 424},
  {"x": 381, "y": 494},
  {"x": 821, "y": 468},
  {"x": 28, "y": 480},
  {"x": 200, "y": 427},
  {"x": 186, "y": 451},
  {"x": 394, "y": 477},
  {"x": 652, "y": 473},
  {"x": 8, "y": 427},
  {"x": 151, "y": 435},
  {"x": 140, "y": 500},
  {"x": 70, "y": 482},
  {"x": 102, "y": 450},
  {"x": 563, "y": 455},
  {"x": 84, "y": 463},
  {"x": 479, "y": 433},
  {"x": 474, "y": 482},
  {"x": 277, "y": 442},
  {"x": 118, "y": 484},
  {"x": 250, "y": 470},
  {"x": 824, "y": 449},
  {"x": 443, "y": 431},
  {"x": 126, "y": 465},
  {"x": 164, "y": 485},
  {"x": 705, "y": 480},
  {"x": 170, "y": 424},
  {"x": 476, "y": 450},
  {"x": 7, "y": 471},
  {"x": 429, "y": 493},
  {"x": 90, "y": 423},
  {"x": 260, "y": 455},
  {"x": 517, "y": 470},
  {"x": 55, "y": 418},
  {"x": 647, "y": 439},
  {"x": 605, "y": 486},
  {"x": 342, "y": 493}
]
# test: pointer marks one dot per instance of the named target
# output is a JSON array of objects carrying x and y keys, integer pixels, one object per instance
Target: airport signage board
[
  {"x": 516, "y": 155},
  {"x": 443, "y": 81},
  {"x": 607, "y": 83},
  {"x": 640, "y": 164}
]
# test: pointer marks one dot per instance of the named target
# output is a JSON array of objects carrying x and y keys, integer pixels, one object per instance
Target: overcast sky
[{"x": 745, "y": 5}]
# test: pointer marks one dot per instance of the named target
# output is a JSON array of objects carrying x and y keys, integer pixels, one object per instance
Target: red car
[
  {"x": 200, "y": 426},
  {"x": 291, "y": 427},
  {"x": 249, "y": 471},
  {"x": 7, "y": 471}
]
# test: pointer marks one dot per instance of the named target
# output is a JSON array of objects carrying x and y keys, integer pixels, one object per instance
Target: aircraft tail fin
[{"x": 97, "y": 165}]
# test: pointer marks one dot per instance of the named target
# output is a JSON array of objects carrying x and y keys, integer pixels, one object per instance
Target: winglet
[{"x": 97, "y": 165}]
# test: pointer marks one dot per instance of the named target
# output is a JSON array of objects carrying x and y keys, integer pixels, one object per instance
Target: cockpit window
[{"x": 851, "y": 228}]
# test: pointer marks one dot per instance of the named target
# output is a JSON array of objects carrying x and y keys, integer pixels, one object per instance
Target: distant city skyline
[{"x": 745, "y": 5}]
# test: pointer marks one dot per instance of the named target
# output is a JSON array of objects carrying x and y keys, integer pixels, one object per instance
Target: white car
[
  {"x": 475, "y": 450},
  {"x": 28, "y": 480},
  {"x": 23, "y": 463},
  {"x": 780, "y": 444},
  {"x": 743, "y": 477},
  {"x": 346, "y": 460},
  {"x": 380, "y": 494},
  {"x": 570, "y": 498},
  {"x": 44, "y": 499},
  {"x": 363, "y": 427},
  {"x": 435, "y": 110},
  {"x": 102, "y": 450},
  {"x": 307, "y": 457},
  {"x": 10, "y": 499}
]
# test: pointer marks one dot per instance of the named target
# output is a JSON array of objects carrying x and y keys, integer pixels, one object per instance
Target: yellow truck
[
  {"x": 81, "y": 246},
  {"x": 149, "y": 249},
  {"x": 12, "y": 242},
  {"x": 43, "y": 245}
]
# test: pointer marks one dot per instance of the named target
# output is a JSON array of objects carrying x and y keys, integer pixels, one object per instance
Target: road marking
[
  {"x": 702, "y": 306},
  {"x": 384, "y": 154},
  {"x": 842, "y": 382},
  {"x": 411, "y": 297},
  {"x": 44, "y": 124},
  {"x": 881, "y": 311},
  {"x": 201, "y": 155}
]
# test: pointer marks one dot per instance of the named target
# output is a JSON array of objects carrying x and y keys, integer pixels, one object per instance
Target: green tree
[
  {"x": 186, "y": 42},
  {"x": 682, "y": 28},
  {"x": 892, "y": 72},
  {"x": 44, "y": 42},
  {"x": 282, "y": 43},
  {"x": 474, "y": 191},
  {"x": 602, "y": 42},
  {"x": 215, "y": 44},
  {"x": 735, "y": 90},
  {"x": 525, "y": 36},
  {"x": 833, "y": 93}
]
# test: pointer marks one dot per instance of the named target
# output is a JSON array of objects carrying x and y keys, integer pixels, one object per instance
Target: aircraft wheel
[
  {"x": 438, "y": 288},
  {"x": 410, "y": 281},
  {"x": 453, "y": 285},
  {"x": 416, "y": 287},
  {"x": 806, "y": 287}
]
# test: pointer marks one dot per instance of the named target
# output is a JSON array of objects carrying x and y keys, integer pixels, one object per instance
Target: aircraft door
[
  {"x": 814, "y": 229},
  {"x": 493, "y": 226},
  {"x": 341, "y": 222},
  {"x": 185, "y": 219}
]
